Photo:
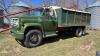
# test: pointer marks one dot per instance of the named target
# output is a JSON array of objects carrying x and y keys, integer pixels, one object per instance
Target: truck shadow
[
  {"x": 58, "y": 37},
  {"x": 53, "y": 39}
]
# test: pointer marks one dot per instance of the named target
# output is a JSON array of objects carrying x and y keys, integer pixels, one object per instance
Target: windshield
[
  {"x": 45, "y": 12},
  {"x": 36, "y": 12}
]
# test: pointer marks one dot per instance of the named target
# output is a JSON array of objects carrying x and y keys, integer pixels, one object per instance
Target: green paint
[{"x": 45, "y": 22}]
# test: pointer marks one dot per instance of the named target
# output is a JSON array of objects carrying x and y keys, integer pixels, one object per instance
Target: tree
[{"x": 62, "y": 3}]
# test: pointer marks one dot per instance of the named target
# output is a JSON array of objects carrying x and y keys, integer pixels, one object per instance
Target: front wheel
[{"x": 33, "y": 38}]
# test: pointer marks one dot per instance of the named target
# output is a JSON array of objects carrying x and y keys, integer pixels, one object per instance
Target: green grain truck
[{"x": 48, "y": 21}]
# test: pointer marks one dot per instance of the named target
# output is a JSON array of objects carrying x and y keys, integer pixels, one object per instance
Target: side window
[{"x": 46, "y": 12}]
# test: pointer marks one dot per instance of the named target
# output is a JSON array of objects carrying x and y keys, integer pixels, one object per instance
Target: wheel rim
[
  {"x": 79, "y": 32},
  {"x": 34, "y": 39}
]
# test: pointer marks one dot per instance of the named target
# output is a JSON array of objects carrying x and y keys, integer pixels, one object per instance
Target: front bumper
[{"x": 17, "y": 34}]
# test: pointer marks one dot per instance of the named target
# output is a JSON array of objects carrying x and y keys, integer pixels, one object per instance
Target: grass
[
  {"x": 2, "y": 35},
  {"x": 52, "y": 46}
]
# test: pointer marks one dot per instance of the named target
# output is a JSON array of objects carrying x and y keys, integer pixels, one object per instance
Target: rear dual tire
[{"x": 79, "y": 32}]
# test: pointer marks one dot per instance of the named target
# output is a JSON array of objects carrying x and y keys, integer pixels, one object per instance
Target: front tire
[{"x": 33, "y": 38}]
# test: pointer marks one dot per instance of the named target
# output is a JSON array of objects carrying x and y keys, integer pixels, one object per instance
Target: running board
[{"x": 51, "y": 35}]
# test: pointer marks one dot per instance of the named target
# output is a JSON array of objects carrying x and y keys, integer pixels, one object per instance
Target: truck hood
[{"x": 29, "y": 17}]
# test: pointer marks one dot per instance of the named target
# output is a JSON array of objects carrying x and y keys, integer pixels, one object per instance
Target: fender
[{"x": 33, "y": 25}]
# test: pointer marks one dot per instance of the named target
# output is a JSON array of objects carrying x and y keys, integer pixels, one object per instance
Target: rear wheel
[
  {"x": 78, "y": 32},
  {"x": 33, "y": 38},
  {"x": 84, "y": 31}
]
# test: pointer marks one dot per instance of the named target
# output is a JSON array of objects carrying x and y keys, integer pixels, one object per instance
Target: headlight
[{"x": 14, "y": 21}]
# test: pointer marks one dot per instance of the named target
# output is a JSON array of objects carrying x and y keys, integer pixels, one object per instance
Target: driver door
[{"x": 49, "y": 23}]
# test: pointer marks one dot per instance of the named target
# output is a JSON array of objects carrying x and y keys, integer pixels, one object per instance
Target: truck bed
[{"x": 73, "y": 18}]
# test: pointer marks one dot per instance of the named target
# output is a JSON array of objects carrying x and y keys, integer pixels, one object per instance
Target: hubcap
[
  {"x": 34, "y": 39},
  {"x": 80, "y": 32}
]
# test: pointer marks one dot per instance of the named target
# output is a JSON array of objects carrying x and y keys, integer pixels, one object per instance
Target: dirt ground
[{"x": 53, "y": 46}]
